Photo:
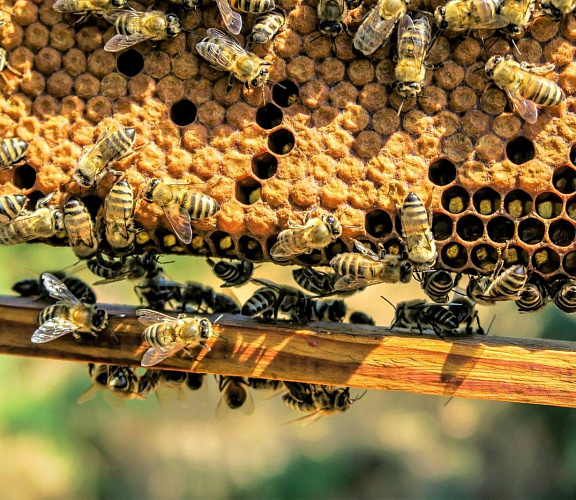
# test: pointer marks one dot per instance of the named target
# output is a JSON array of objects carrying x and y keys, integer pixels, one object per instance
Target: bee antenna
[
  {"x": 278, "y": 83},
  {"x": 515, "y": 46},
  {"x": 400, "y": 108},
  {"x": 359, "y": 397},
  {"x": 490, "y": 325},
  {"x": 321, "y": 35},
  {"x": 382, "y": 296},
  {"x": 449, "y": 399}
]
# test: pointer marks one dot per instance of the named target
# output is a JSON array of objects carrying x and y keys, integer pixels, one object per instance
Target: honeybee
[
  {"x": 120, "y": 383},
  {"x": 33, "y": 287},
  {"x": 563, "y": 294},
  {"x": 377, "y": 27},
  {"x": 224, "y": 53},
  {"x": 80, "y": 229},
  {"x": 524, "y": 86},
  {"x": 533, "y": 297},
  {"x": 265, "y": 384},
  {"x": 4, "y": 65},
  {"x": 134, "y": 27},
  {"x": 557, "y": 8},
  {"x": 331, "y": 15},
  {"x": 180, "y": 205},
  {"x": 112, "y": 145},
  {"x": 417, "y": 232},
  {"x": 205, "y": 299},
  {"x": 99, "y": 377},
  {"x": 11, "y": 205},
  {"x": 234, "y": 396},
  {"x": 466, "y": 15},
  {"x": 148, "y": 382},
  {"x": 517, "y": 13},
  {"x": 234, "y": 273},
  {"x": 123, "y": 383},
  {"x": 316, "y": 233},
  {"x": 68, "y": 315},
  {"x": 170, "y": 388},
  {"x": 44, "y": 222},
  {"x": 315, "y": 281},
  {"x": 11, "y": 152},
  {"x": 311, "y": 309},
  {"x": 271, "y": 299},
  {"x": 505, "y": 285},
  {"x": 368, "y": 268},
  {"x": 167, "y": 335},
  {"x": 118, "y": 215},
  {"x": 438, "y": 284},
  {"x": 87, "y": 7},
  {"x": 266, "y": 26},
  {"x": 360, "y": 318}
]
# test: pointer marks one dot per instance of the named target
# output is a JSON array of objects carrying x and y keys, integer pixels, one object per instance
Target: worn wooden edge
[{"x": 483, "y": 367}]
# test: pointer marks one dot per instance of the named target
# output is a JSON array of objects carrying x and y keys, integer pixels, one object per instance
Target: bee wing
[
  {"x": 281, "y": 251},
  {"x": 367, "y": 252},
  {"x": 248, "y": 407},
  {"x": 201, "y": 394},
  {"x": 52, "y": 329},
  {"x": 149, "y": 317},
  {"x": 58, "y": 290},
  {"x": 120, "y": 277},
  {"x": 121, "y": 42},
  {"x": 308, "y": 419},
  {"x": 155, "y": 355},
  {"x": 113, "y": 400},
  {"x": 225, "y": 41},
  {"x": 526, "y": 108},
  {"x": 88, "y": 394},
  {"x": 232, "y": 20},
  {"x": 113, "y": 14},
  {"x": 60, "y": 6},
  {"x": 411, "y": 46},
  {"x": 179, "y": 219},
  {"x": 346, "y": 284}
]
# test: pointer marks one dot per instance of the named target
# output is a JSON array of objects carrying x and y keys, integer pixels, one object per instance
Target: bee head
[
  {"x": 408, "y": 90},
  {"x": 491, "y": 64},
  {"x": 262, "y": 77},
  {"x": 334, "y": 225},
  {"x": 101, "y": 376},
  {"x": 236, "y": 396},
  {"x": 551, "y": 10},
  {"x": 118, "y": 4},
  {"x": 205, "y": 329},
  {"x": 100, "y": 320},
  {"x": 148, "y": 194},
  {"x": 440, "y": 16},
  {"x": 174, "y": 25},
  {"x": 119, "y": 379},
  {"x": 332, "y": 28},
  {"x": 58, "y": 217},
  {"x": 406, "y": 272}
]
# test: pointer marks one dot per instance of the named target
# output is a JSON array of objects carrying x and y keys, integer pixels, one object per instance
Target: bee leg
[
  {"x": 13, "y": 70},
  {"x": 77, "y": 336},
  {"x": 83, "y": 18},
  {"x": 205, "y": 346},
  {"x": 230, "y": 83}
]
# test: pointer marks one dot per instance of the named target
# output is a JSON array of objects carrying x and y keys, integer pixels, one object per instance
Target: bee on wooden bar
[
  {"x": 501, "y": 285},
  {"x": 234, "y": 396},
  {"x": 266, "y": 26},
  {"x": 148, "y": 382},
  {"x": 11, "y": 205},
  {"x": 80, "y": 229},
  {"x": 234, "y": 273},
  {"x": 467, "y": 15},
  {"x": 204, "y": 299},
  {"x": 11, "y": 152},
  {"x": 32, "y": 287},
  {"x": 315, "y": 281},
  {"x": 4, "y": 65},
  {"x": 417, "y": 231},
  {"x": 265, "y": 384},
  {"x": 361, "y": 318},
  {"x": 271, "y": 299},
  {"x": 118, "y": 215},
  {"x": 419, "y": 314},
  {"x": 309, "y": 309},
  {"x": 124, "y": 383}
]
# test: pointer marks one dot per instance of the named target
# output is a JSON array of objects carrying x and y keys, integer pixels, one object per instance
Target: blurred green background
[{"x": 389, "y": 445}]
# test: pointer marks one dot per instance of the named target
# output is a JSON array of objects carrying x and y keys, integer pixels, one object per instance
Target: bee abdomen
[
  {"x": 531, "y": 299},
  {"x": 54, "y": 311},
  {"x": 565, "y": 297},
  {"x": 159, "y": 335},
  {"x": 253, "y": 6},
  {"x": 263, "y": 300},
  {"x": 199, "y": 205},
  {"x": 11, "y": 205},
  {"x": 117, "y": 143},
  {"x": 119, "y": 202},
  {"x": 11, "y": 151},
  {"x": 541, "y": 91},
  {"x": 510, "y": 283}
]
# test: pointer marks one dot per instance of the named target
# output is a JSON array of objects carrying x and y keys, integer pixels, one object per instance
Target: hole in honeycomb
[
  {"x": 520, "y": 150},
  {"x": 285, "y": 93},
  {"x": 223, "y": 243},
  {"x": 470, "y": 228},
  {"x": 335, "y": 248},
  {"x": 518, "y": 203},
  {"x": 378, "y": 224},
  {"x": 442, "y": 226},
  {"x": 546, "y": 260},
  {"x": 393, "y": 247},
  {"x": 548, "y": 205},
  {"x": 199, "y": 245},
  {"x": 93, "y": 204},
  {"x": 571, "y": 208},
  {"x": 486, "y": 201},
  {"x": 573, "y": 154},
  {"x": 130, "y": 63},
  {"x": 248, "y": 190},
  {"x": 168, "y": 241},
  {"x": 281, "y": 141},
  {"x": 454, "y": 255},
  {"x": 569, "y": 263},
  {"x": 183, "y": 112},
  {"x": 500, "y": 229},
  {"x": 561, "y": 233},
  {"x": 516, "y": 255},
  {"x": 269, "y": 116},
  {"x": 264, "y": 165},
  {"x": 250, "y": 248},
  {"x": 33, "y": 197},
  {"x": 442, "y": 172},
  {"x": 311, "y": 259},
  {"x": 564, "y": 180},
  {"x": 24, "y": 177},
  {"x": 531, "y": 231},
  {"x": 485, "y": 257},
  {"x": 455, "y": 199}
]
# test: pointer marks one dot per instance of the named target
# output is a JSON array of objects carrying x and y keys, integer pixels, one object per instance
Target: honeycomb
[{"x": 327, "y": 135}]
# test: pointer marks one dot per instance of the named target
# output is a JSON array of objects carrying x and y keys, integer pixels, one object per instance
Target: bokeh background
[{"x": 389, "y": 445}]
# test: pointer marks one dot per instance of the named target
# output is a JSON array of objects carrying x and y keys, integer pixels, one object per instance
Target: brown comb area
[{"x": 330, "y": 139}]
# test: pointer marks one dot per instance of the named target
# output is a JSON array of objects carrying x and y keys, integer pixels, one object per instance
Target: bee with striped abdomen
[
  {"x": 11, "y": 152},
  {"x": 33, "y": 287},
  {"x": 148, "y": 382},
  {"x": 118, "y": 217},
  {"x": 524, "y": 85},
  {"x": 234, "y": 396},
  {"x": 438, "y": 284},
  {"x": 203, "y": 298},
  {"x": 314, "y": 281},
  {"x": 467, "y": 15},
  {"x": 180, "y": 205},
  {"x": 87, "y": 7},
  {"x": 4, "y": 65},
  {"x": 557, "y": 8},
  {"x": 11, "y": 205},
  {"x": 331, "y": 16},
  {"x": 501, "y": 285},
  {"x": 563, "y": 293},
  {"x": 417, "y": 231},
  {"x": 533, "y": 297},
  {"x": 266, "y": 26},
  {"x": 134, "y": 27},
  {"x": 68, "y": 315},
  {"x": 377, "y": 27},
  {"x": 234, "y": 273},
  {"x": 419, "y": 314},
  {"x": 271, "y": 299},
  {"x": 265, "y": 384},
  {"x": 80, "y": 229}
]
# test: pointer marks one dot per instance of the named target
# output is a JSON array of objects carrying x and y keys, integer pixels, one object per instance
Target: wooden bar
[{"x": 484, "y": 367}]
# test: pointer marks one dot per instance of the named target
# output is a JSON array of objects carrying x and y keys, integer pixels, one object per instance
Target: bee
[
  {"x": 234, "y": 273},
  {"x": 505, "y": 285},
  {"x": 80, "y": 229},
  {"x": 368, "y": 268},
  {"x": 118, "y": 214},
  {"x": 414, "y": 38},
  {"x": 517, "y": 13},
  {"x": 557, "y": 8},
  {"x": 524, "y": 86},
  {"x": 4, "y": 65},
  {"x": 124, "y": 383},
  {"x": 331, "y": 15},
  {"x": 112, "y": 145},
  {"x": 170, "y": 388},
  {"x": 198, "y": 386},
  {"x": 315, "y": 281},
  {"x": 533, "y": 297},
  {"x": 11, "y": 152},
  {"x": 265, "y": 384},
  {"x": 266, "y": 26},
  {"x": 134, "y": 27},
  {"x": 11, "y": 205},
  {"x": 360, "y": 318},
  {"x": 234, "y": 396},
  {"x": 153, "y": 288},
  {"x": 466, "y": 15},
  {"x": 99, "y": 377},
  {"x": 316, "y": 233},
  {"x": 68, "y": 315},
  {"x": 464, "y": 309},
  {"x": 167, "y": 335},
  {"x": 224, "y": 53},
  {"x": 180, "y": 206},
  {"x": 44, "y": 222},
  {"x": 205, "y": 299},
  {"x": 438, "y": 284},
  {"x": 148, "y": 382},
  {"x": 563, "y": 294},
  {"x": 33, "y": 287},
  {"x": 310, "y": 309},
  {"x": 120, "y": 383},
  {"x": 417, "y": 232},
  {"x": 87, "y": 7},
  {"x": 270, "y": 300},
  {"x": 377, "y": 27}
]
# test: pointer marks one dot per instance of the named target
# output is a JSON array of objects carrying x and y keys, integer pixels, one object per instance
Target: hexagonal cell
[
  {"x": 561, "y": 233},
  {"x": 520, "y": 150},
  {"x": 281, "y": 141},
  {"x": 548, "y": 205},
  {"x": 531, "y": 231},
  {"x": 518, "y": 203},
  {"x": 442, "y": 172},
  {"x": 199, "y": 245},
  {"x": 168, "y": 241},
  {"x": 285, "y": 93},
  {"x": 485, "y": 257},
  {"x": 130, "y": 63},
  {"x": 500, "y": 229},
  {"x": 223, "y": 243},
  {"x": 486, "y": 201},
  {"x": 569, "y": 263},
  {"x": 516, "y": 255},
  {"x": 311, "y": 259},
  {"x": 546, "y": 260},
  {"x": 183, "y": 112},
  {"x": 33, "y": 198},
  {"x": 454, "y": 255},
  {"x": 24, "y": 176},
  {"x": 564, "y": 180},
  {"x": 264, "y": 165},
  {"x": 248, "y": 190},
  {"x": 269, "y": 116},
  {"x": 393, "y": 247},
  {"x": 334, "y": 249},
  {"x": 442, "y": 226},
  {"x": 378, "y": 224},
  {"x": 470, "y": 228},
  {"x": 455, "y": 199},
  {"x": 250, "y": 248},
  {"x": 93, "y": 204},
  {"x": 573, "y": 154}
]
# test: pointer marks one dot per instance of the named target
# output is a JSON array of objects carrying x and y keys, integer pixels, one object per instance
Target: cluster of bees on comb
[{"x": 430, "y": 247}]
